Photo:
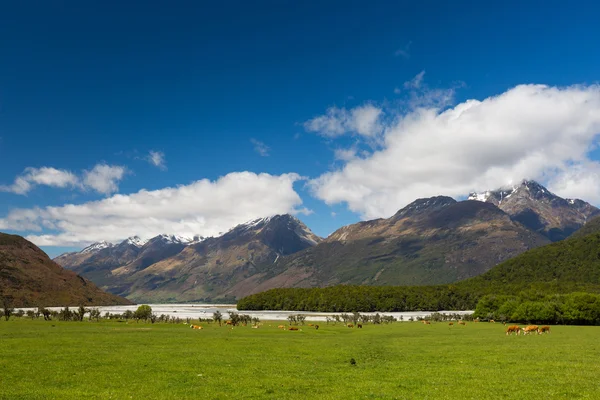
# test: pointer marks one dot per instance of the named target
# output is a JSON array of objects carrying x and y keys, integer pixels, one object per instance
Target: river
[{"x": 196, "y": 311}]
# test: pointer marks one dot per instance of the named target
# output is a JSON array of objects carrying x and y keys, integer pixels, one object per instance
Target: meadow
[{"x": 409, "y": 360}]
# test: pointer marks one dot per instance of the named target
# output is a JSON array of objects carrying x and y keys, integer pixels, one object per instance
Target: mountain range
[{"x": 430, "y": 241}]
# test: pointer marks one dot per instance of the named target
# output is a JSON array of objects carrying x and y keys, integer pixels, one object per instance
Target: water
[{"x": 196, "y": 311}]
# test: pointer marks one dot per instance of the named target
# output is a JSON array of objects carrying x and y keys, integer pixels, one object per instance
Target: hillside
[
  {"x": 430, "y": 241},
  {"x": 568, "y": 266},
  {"x": 32, "y": 279}
]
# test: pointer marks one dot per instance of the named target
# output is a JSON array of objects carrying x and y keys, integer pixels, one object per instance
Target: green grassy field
[{"x": 110, "y": 360}]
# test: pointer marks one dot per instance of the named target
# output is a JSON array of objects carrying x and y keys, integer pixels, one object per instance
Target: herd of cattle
[{"x": 516, "y": 329}]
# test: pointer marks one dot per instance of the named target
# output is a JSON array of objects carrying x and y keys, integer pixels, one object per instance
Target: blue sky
[{"x": 210, "y": 87}]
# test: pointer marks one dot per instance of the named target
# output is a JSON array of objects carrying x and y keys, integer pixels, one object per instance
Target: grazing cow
[
  {"x": 462, "y": 323},
  {"x": 492, "y": 321},
  {"x": 255, "y": 327},
  {"x": 228, "y": 322},
  {"x": 544, "y": 329},
  {"x": 311, "y": 324},
  {"x": 426, "y": 323},
  {"x": 195, "y": 327},
  {"x": 316, "y": 326},
  {"x": 513, "y": 328},
  {"x": 451, "y": 323},
  {"x": 350, "y": 325},
  {"x": 359, "y": 326},
  {"x": 281, "y": 327},
  {"x": 529, "y": 329},
  {"x": 476, "y": 320},
  {"x": 292, "y": 328}
]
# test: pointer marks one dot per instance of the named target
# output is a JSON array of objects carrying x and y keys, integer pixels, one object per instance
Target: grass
[{"x": 111, "y": 360}]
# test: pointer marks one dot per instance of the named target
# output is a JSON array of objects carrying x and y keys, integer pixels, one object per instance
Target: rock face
[
  {"x": 166, "y": 269},
  {"x": 430, "y": 241},
  {"x": 31, "y": 279},
  {"x": 540, "y": 210}
]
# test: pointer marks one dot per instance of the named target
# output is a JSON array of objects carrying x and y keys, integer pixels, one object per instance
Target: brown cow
[
  {"x": 462, "y": 323},
  {"x": 529, "y": 329},
  {"x": 426, "y": 322},
  {"x": 228, "y": 322},
  {"x": 281, "y": 327},
  {"x": 292, "y": 328},
  {"x": 544, "y": 329},
  {"x": 492, "y": 321},
  {"x": 195, "y": 327},
  {"x": 359, "y": 325},
  {"x": 451, "y": 323},
  {"x": 316, "y": 326},
  {"x": 513, "y": 328},
  {"x": 350, "y": 325},
  {"x": 311, "y": 324}
]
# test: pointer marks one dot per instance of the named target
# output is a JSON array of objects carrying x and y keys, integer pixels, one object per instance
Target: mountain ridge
[{"x": 30, "y": 278}]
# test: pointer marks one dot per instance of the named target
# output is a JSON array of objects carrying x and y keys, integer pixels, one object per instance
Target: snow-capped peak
[
  {"x": 479, "y": 196},
  {"x": 175, "y": 239},
  {"x": 136, "y": 241},
  {"x": 96, "y": 246}
]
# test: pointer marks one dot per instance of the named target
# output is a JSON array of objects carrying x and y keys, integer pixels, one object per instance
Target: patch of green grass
[{"x": 75, "y": 360}]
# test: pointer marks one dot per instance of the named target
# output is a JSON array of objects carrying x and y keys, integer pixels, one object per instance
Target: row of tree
[
  {"x": 570, "y": 309},
  {"x": 362, "y": 298}
]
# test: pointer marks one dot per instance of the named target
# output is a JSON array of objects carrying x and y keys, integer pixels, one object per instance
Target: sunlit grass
[{"x": 76, "y": 360}]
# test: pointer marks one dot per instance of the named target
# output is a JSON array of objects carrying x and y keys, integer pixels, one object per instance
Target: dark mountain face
[
  {"x": 31, "y": 279},
  {"x": 538, "y": 209}
]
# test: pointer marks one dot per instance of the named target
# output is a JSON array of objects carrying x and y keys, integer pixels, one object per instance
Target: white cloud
[
  {"x": 363, "y": 120},
  {"x": 581, "y": 181},
  {"x": 157, "y": 158},
  {"x": 415, "y": 83},
  {"x": 345, "y": 154},
  {"x": 404, "y": 52},
  {"x": 41, "y": 176},
  {"x": 261, "y": 148},
  {"x": 104, "y": 178},
  {"x": 530, "y": 131},
  {"x": 203, "y": 207}
]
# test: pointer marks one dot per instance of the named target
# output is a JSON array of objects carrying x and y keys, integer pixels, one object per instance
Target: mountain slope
[
  {"x": 572, "y": 265},
  {"x": 562, "y": 267},
  {"x": 96, "y": 261},
  {"x": 32, "y": 279},
  {"x": 540, "y": 210},
  {"x": 431, "y": 241}
]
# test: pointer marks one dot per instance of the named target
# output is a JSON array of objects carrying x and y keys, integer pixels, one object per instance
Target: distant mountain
[
  {"x": 32, "y": 279},
  {"x": 170, "y": 268},
  {"x": 430, "y": 241},
  {"x": 540, "y": 210},
  {"x": 96, "y": 261}
]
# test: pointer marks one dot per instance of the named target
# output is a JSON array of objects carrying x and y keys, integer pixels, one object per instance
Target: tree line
[
  {"x": 344, "y": 298},
  {"x": 540, "y": 308}
]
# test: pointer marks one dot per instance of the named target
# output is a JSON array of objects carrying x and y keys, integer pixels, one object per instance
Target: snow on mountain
[
  {"x": 96, "y": 246},
  {"x": 175, "y": 239},
  {"x": 135, "y": 240}
]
